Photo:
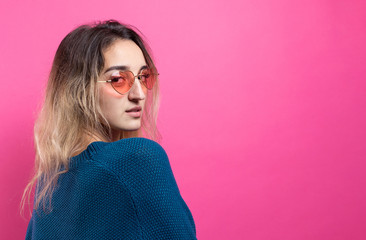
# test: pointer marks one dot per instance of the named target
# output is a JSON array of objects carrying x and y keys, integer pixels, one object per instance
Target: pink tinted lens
[
  {"x": 123, "y": 82},
  {"x": 147, "y": 78}
]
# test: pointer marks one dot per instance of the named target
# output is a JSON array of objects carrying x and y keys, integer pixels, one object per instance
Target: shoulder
[
  {"x": 134, "y": 156},
  {"x": 137, "y": 147},
  {"x": 140, "y": 164}
]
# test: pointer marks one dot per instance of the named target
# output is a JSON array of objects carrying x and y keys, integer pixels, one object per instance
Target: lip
[
  {"x": 134, "y": 112},
  {"x": 134, "y": 109}
]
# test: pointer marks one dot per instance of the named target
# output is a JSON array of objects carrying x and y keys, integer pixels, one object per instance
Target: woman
[{"x": 97, "y": 177}]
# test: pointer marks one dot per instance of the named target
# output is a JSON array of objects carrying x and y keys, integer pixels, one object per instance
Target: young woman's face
[{"x": 120, "y": 56}]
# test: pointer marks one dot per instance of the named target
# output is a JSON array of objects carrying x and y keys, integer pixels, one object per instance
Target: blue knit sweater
[{"x": 119, "y": 190}]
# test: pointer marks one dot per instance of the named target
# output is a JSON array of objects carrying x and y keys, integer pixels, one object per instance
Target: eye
[
  {"x": 118, "y": 81},
  {"x": 143, "y": 77}
]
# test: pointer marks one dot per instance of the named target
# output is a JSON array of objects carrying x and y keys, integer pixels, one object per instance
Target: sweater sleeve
[{"x": 143, "y": 167}]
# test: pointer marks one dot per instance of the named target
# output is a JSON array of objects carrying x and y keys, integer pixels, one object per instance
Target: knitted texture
[{"x": 119, "y": 190}]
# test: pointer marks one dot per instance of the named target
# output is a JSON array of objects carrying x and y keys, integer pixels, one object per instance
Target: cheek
[
  {"x": 111, "y": 102},
  {"x": 107, "y": 91}
]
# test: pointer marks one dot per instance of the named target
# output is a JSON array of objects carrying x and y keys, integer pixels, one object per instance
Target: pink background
[{"x": 262, "y": 114}]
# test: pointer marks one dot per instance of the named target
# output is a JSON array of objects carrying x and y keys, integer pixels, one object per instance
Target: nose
[{"x": 136, "y": 92}]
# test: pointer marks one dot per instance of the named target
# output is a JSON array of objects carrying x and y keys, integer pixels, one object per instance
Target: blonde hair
[{"x": 71, "y": 118}]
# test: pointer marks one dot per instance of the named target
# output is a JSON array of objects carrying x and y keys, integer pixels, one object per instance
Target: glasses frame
[{"x": 134, "y": 77}]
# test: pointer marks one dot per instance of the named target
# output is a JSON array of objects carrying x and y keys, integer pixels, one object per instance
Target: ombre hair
[{"x": 71, "y": 118}]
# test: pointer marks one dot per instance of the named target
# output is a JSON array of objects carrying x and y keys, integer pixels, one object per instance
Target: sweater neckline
[{"x": 92, "y": 149}]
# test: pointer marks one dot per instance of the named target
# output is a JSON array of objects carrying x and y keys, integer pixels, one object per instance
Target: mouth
[
  {"x": 134, "y": 112},
  {"x": 134, "y": 109}
]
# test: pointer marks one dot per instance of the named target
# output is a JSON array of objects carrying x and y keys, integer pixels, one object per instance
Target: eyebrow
[{"x": 123, "y": 68}]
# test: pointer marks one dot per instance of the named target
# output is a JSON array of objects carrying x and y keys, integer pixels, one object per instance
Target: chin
[{"x": 130, "y": 127}]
